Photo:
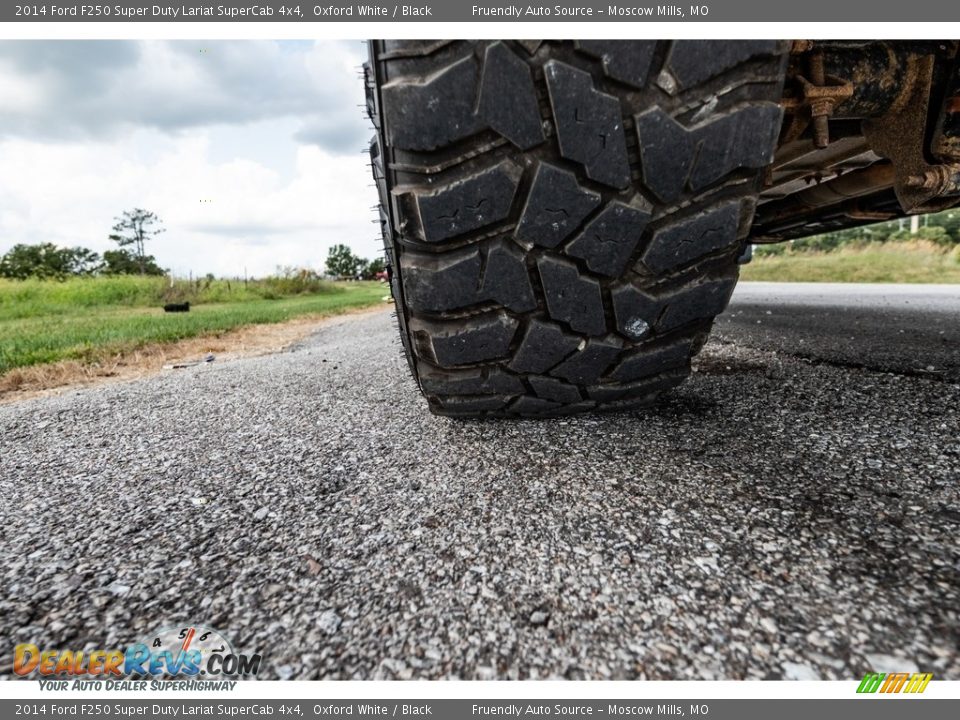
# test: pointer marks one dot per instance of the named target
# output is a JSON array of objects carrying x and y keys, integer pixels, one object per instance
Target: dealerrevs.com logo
[{"x": 186, "y": 652}]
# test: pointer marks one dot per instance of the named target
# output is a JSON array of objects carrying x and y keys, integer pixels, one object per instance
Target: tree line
[
  {"x": 344, "y": 265},
  {"x": 135, "y": 228},
  {"x": 941, "y": 229},
  {"x": 131, "y": 232},
  {"x": 46, "y": 261}
]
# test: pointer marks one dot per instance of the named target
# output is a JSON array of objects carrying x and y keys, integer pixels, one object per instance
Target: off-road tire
[{"x": 562, "y": 220}]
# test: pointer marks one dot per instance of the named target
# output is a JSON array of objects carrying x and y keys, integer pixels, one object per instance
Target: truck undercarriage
[{"x": 871, "y": 132}]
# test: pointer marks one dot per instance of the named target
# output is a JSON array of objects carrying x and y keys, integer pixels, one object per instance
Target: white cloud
[
  {"x": 85, "y": 88},
  {"x": 20, "y": 95},
  {"x": 234, "y": 161}
]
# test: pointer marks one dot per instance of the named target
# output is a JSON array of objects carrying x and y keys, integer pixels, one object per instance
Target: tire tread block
[
  {"x": 480, "y": 339},
  {"x": 699, "y": 302},
  {"x": 572, "y": 298},
  {"x": 692, "y": 62},
  {"x": 648, "y": 387},
  {"x": 609, "y": 239},
  {"x": 589, "y": 125},
  {"x": 553, "y": 389},
  {"x": 508, "y": 98},
  {"x": 429, "y": 114},
  {"x": 679, "y": 243},
  {"x": 529, "y": 405},
  {"x": 543, "y": 346},
  {"x": 478, "y": 381},
  {"x": 643, "y": 361},
  {"x": 586, "y": 366},
  {"x": 455, "y": 280},
  {"x": 556, "y": 205},
  {"x": 674, "y": 158},
  {"x": 625, "y": 60},
  {"x": 468, "y": 204}
]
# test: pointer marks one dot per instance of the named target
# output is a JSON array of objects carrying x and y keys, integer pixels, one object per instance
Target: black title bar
[{"x": 469, "y": 10}]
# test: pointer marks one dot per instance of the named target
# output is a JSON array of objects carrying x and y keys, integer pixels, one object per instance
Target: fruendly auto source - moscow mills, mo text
[{"x": 564, "y": 11}]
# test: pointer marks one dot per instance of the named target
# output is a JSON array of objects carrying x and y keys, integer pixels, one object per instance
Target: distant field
[
  {"x": 90, "y": 319},
  {"x": 892, "y": 262},
  {"x": 32, "y": 298}
]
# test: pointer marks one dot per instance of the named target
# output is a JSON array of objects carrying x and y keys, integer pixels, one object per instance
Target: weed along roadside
[
  {"x": 56, "y": 333},
  {"x": 910, "y": 261}
]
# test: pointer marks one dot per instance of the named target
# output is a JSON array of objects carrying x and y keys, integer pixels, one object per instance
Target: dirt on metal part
[{"x": 248, "y": 341}]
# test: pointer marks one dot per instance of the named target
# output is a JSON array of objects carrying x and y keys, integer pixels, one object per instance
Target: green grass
[
  {"x": 892, "y": 262},
  {"x": 35, "y": 298},
  {"x": 88, "y": 319}
]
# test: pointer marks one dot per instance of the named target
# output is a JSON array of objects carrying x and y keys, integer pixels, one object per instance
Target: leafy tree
[
  {"x": 24, "y": 261},
  {"x": 135, "y": 228},
  {"x": 935, "y": 234},
  {"x": 47, "y": 261},
  {"x": 123, "y": 262},
  {"x": 949, "y": 221},
  {"x": 942, "y": 228},
  {"x": 377, "y": 265},
  {"x": 342, "y": 263},
  {"x": 81, "y": 261}
]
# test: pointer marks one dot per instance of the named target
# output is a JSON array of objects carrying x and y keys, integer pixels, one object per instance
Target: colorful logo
[
  {"x": 895, "y": 682},
  {"x": 194, "y": 651}
]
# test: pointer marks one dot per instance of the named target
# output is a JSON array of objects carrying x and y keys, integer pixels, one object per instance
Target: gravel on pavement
[{"x": 774, "y": 517}]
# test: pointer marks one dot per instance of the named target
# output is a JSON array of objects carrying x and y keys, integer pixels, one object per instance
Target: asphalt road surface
[
  {"x": 790, "y": 512},
  {"x": 908, "y": 329}
]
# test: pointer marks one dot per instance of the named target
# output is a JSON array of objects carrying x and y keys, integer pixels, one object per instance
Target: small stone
[
  {"x": 636, "y": 328},
  {"x": 271, "y": 590},
  {"x": 666, "y": 81},
  {"x": 769, "y": 626},
  {"x": 539, "y": 617},
  {"x": 313, "y": 567},
  {"x": 329, "y": 621},
  {"x": 118, "y": 588},
  {"x": 261, "y": 514}
]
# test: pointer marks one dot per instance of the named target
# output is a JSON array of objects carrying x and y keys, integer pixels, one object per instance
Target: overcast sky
[{"x": 249, "y": 151}]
